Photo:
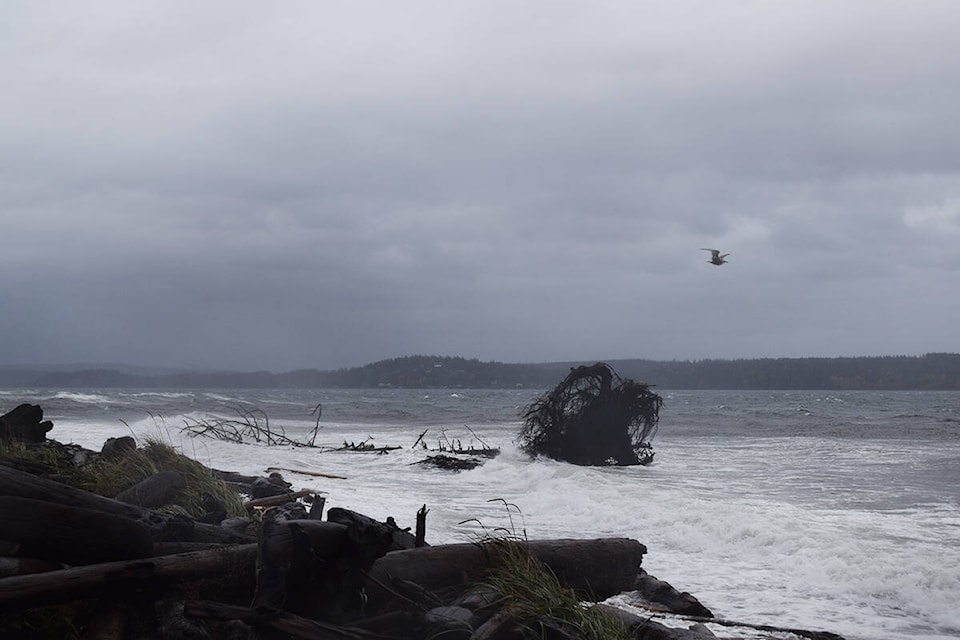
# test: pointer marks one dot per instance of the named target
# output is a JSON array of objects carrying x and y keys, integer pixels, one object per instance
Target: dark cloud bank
[{"x": 241, "y": 186}]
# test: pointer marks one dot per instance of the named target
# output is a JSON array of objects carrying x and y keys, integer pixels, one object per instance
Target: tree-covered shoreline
[{"x": 933, "y": 371}]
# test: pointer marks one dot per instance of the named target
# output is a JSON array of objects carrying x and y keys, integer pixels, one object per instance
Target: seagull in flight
[{"x": 716, "y": 258}]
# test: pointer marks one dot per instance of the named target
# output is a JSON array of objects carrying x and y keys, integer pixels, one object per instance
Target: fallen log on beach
[
  {"x": 64, "y": 585},
  {"x": 645, "y": 628},
  {"x": 596, "y": 568},
  {"x": 294, "y": 626},
  {"x": 274, "y": 501},
  {"x": 315, "y": 474},
  {"x": 600, "y": 568},
  {"x": 161, "y": 526},
  {"x": 18, "y": 566},
  {"x": 73, "y": 535}
]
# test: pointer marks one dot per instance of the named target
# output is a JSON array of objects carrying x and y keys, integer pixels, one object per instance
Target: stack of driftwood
[{"x": 78, "y": 564}]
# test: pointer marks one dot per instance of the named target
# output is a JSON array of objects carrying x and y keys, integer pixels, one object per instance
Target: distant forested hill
[{"x": 930, "y": 371}]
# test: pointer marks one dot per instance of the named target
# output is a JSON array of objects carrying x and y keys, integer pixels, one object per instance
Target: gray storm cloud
[{"x": 235, "y": 185}]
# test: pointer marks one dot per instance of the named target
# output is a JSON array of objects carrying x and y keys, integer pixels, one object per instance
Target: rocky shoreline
[{"x": 185, "y": 551}]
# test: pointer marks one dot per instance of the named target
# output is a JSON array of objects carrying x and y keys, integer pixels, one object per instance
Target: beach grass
[
  {"x": 532, "y": 590},
  {"x": 109, "y": 477}
]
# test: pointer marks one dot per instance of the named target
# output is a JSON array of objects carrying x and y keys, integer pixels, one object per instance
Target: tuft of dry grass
[
  {"x": 47, "y": 457},
  {"x": 110, "y": 477},
  {"x": 529, "y": 587}
]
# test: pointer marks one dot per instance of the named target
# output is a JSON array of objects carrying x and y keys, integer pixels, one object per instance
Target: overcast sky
[{"x": 258, "y": 185}]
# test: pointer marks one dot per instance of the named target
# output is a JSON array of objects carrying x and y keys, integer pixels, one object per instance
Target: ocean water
[{"x": 833, "y": 511}]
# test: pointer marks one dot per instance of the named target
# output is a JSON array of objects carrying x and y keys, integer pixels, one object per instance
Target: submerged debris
[
  {"x": 452, "y": 455},
  {"x": 593, "y": 417},
  {"x": 451, "y": 463},
  {"x": 366, "y": 446}
]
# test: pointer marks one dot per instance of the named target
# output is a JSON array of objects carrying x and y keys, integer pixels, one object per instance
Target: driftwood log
[
  {"x": 299, "y": 627},
  {"x": 73, "y": 535},
  {"x": 284, "y": 498},
  {"x": 162, "y": 527},
  {"x": 25, "y": 423},
  {"x": 596, "y": 569},
  {"x": 663, "y": 594},
  {"x": 108, "y": 621},
  {"x": 600, "y": 568},
  {"x": 295, "y": 562},
  {"x": 52, "y": 587},
  {"x": 10, "y": 566},
  {"x": 645, "y": 628}
]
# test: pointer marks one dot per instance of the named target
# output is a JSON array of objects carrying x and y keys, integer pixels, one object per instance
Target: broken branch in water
[
  {"x": 319, "y": 411},
  {"x": 251, "y": 424}
]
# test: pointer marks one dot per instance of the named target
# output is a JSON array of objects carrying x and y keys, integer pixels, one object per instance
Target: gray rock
[
  {"x": 115, "y": 448},
  {"x": 154, "y": 491}
]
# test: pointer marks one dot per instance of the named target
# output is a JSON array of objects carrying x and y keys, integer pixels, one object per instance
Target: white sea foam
[{"x": 83, "y": 398}]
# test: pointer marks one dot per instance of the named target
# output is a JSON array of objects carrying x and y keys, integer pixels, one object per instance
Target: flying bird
[{"x": 716, "y": 258}]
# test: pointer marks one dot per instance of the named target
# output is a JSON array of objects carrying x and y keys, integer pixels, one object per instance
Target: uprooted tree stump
[
  {"x": 25, "y": 423},
  {"x": 593, "y": 417}
]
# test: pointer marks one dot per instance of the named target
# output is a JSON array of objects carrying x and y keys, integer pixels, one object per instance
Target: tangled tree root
[{"x": 593, "y": 417}]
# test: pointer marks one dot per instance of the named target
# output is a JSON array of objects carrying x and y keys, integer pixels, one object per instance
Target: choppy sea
[{"x": 832, "y": 511}]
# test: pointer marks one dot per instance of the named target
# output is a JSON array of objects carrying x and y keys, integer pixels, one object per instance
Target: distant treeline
[{"x": 931, "y": 371}]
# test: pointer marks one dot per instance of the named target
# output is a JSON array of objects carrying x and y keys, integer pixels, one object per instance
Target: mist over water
[{"x": 833, "y": 511}]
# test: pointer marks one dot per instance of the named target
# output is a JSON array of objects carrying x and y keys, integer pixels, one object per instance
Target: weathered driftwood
[
  {"x": 451, "y": 463},
  {"x": 596, "y": 569},
  {"x": 316, "y": 508},
  {"x": 420, "y": 535},
  {"x": 25, "y": 423},
  {"x": 255, "y": 486},
  {"x": 73, "y": 535},
  {"x": 499, "y": 625},
  {"x": 315, "y": 474},
  {"x": 52, "y": 587},
  {"x": 366, "y": 447},
  {"x": 663, "y": 593},
  {"x": 155, "y": 490},
  {"x": 328, "y": 581},
  {"x": 386, "y": 536},
  {"x": 233, "y": 478},
  {"x": 173, "y": 548},
  {"x": 644, "y": 628},
  {"x": 23, "y": 566},
  {"x": 162, "y": 526},
  {"x": 294, "y": 559},
  {"x": 296, "y": 626},
  {"x": 108, "y": 621},
  {"x": 272, "y": 501}
]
